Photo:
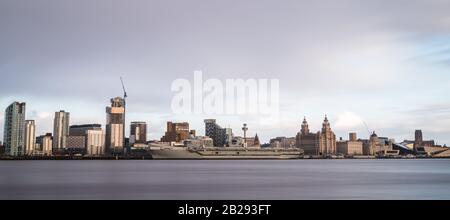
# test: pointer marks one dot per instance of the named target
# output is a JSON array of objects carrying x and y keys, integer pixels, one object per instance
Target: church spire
[{"x": 256, "y": 140}]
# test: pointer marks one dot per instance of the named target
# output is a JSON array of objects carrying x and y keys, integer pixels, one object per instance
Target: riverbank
[{"x": 5, "y": 158}]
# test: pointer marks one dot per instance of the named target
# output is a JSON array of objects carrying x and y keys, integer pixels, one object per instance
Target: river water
[{"x": 226, "y": 179}]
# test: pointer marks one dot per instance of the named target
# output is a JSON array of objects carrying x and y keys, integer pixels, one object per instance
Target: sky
[{"x": 385, "y": 63}]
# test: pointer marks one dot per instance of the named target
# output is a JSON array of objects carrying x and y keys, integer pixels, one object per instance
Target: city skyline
[
  {"x": 131, "y": 135},
  {"x": 384, "y": 63}
]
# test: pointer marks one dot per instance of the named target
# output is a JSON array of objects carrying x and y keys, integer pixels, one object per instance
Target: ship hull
[{"x": 227, "y": 154}]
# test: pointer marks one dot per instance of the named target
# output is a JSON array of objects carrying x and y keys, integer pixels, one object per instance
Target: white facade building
[
  {"x": 60, "y": 130},
  {"x": 30, "y": 137},
  {"x": 95, "y": 142}
]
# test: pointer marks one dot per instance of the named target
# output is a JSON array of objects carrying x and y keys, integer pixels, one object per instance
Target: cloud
[
  {"x": 442, "y": 108},
  {"x": 329, "y": 56},
  {"x": 39, "y": 115},
  {"x": 348, "y": 120}
]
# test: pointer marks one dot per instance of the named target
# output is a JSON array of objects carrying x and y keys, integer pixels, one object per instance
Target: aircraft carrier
[{"x": 161, "y": 151}]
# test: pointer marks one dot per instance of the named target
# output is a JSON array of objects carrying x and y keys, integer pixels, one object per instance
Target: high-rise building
[
  {"x": 60, "y": 130},
  {"x": 45, "y": 143},
  {"x": 176, "y": 132},
  {"x": 2, "y": 148},
  {"x": 221, "y": 136},
  {"x": 138, "y": 133},
  {"x": 95, "y": 142},
  {"x": 14, "y": 129},
  {"x": 30, "y": 137},
  {"x": 115, "y": 126},
  {"x": 326, "y": 139}
]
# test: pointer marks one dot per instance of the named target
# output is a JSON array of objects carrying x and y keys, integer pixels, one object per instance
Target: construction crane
[
  {"x": 125, "y": 110},
  {"x": 123, "y": 87},
  {"x": 367, "y": 128}
]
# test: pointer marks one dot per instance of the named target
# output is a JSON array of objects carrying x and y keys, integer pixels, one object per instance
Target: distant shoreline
[{"x": 150, "y": 158}]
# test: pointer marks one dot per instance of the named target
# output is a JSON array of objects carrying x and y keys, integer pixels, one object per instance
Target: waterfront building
[
  {"x": 80, "y": 130},
  {"x": 352, "y": 136},
  {"x": 326, "y": 139},
  {"x": 138, "y": 133},
  {"x": 419, "y": 144},
  {"x": 176, "y": 132},
  {"x": 89, "y": 137},
  {"x": 13, "y": 136},
  {"x": 379, "y": 146},
  {"x": 75, "y": 143},
  {"x": 256, "y": 141},
  {"x": 306, "y": 140},
  {"x": 252, "y": 141},
  {"x": 350, "y": 147},
  {"x": 371, "y": 145},
  {"x": 30, "y": 137},
  {"x": 221, "y": 136},
  {"x": 115, "y": 126},
  {"x": 60, "y": 131},
  {"x": 44, "y": 144},
  {"x": 418, "y": 138},
  {"x": 95, "y": 142},
  {"x": 321, "y": 143},
  {"x": 283, "y": 142}
]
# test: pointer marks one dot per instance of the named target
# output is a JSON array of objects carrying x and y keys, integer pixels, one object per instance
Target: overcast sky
[{"x": 383, "y": 62}]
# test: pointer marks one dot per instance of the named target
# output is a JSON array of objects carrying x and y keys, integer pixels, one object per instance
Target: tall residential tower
[
  {"x": 13, "y": 136},
  {"x": 30, "y": 137},
  {"x": 60, "y": 130}
]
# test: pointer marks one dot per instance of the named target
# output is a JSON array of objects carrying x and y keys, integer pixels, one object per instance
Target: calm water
[{"x": 272, "y": 179}]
